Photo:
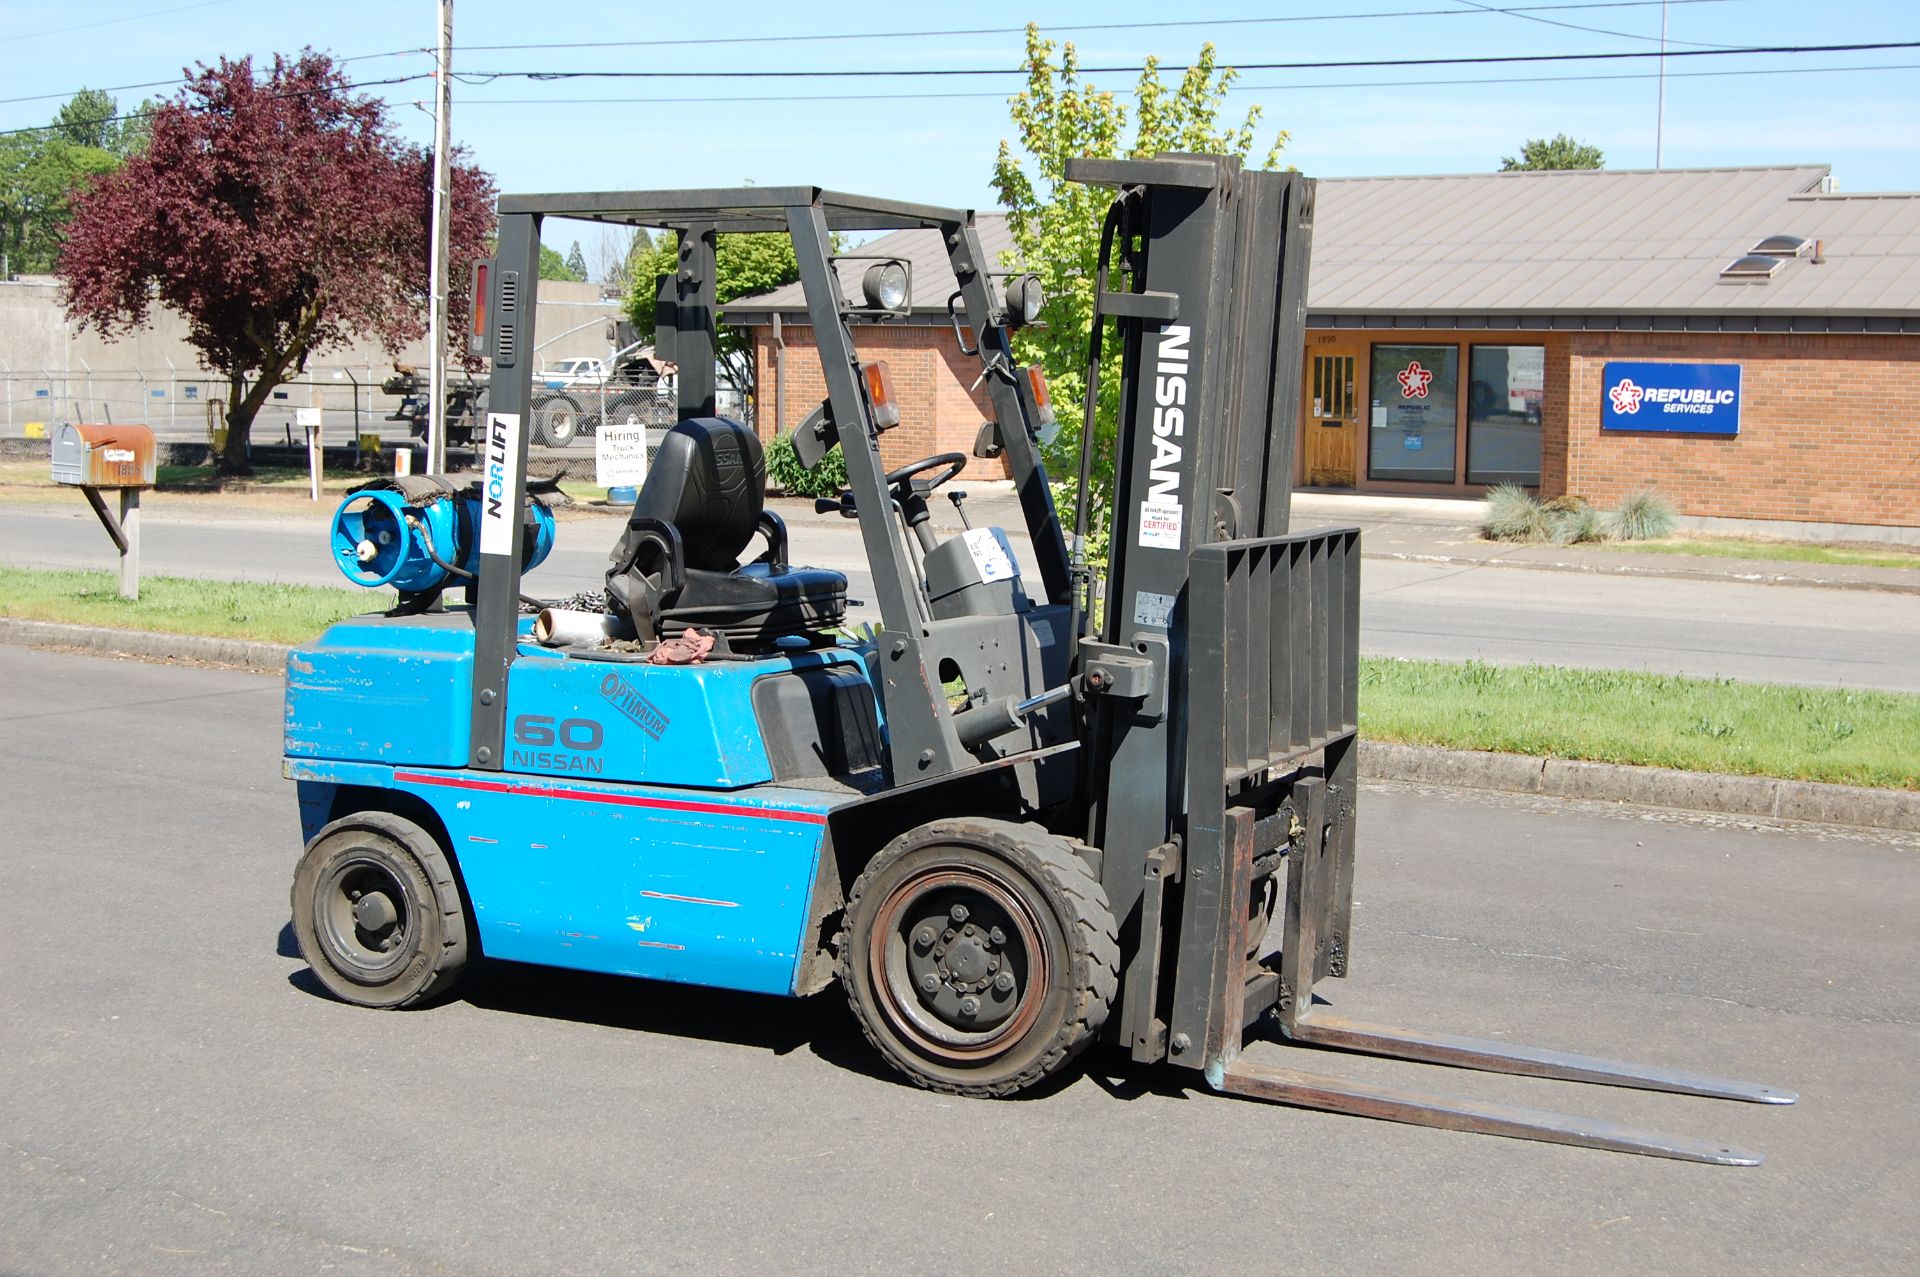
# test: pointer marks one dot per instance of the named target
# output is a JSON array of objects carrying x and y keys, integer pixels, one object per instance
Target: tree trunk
[{"x": 243, "y": 405}]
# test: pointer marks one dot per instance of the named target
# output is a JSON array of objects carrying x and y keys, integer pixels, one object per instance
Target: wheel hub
[
  {"x": 360, "y": 918},
  {"x": 959, "y": 958}
]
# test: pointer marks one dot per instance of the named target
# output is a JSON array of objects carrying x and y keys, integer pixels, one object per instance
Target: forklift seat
[{"x": 678, "y": 562}]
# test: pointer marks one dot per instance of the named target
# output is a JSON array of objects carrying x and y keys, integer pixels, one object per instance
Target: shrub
[
  {"x": 1576, "y": 524},
  {"x": 1513, "y": 515},
  {"x": 1643, "y": 515},
  {"x": 784, "y": 471}
]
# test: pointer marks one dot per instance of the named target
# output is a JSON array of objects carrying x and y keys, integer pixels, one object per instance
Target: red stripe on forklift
[{"x": 617, "y": 800}]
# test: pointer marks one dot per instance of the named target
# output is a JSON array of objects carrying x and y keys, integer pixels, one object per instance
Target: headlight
[
  {"x": 1024, "y": 300},
  {"x": 885, "y": 285}
]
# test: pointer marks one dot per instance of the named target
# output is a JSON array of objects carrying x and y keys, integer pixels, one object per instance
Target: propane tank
[{"x": 409, "y": 531}]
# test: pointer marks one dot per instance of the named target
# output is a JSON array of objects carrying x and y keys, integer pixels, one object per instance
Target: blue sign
[{"x": 1688, "y": 399}]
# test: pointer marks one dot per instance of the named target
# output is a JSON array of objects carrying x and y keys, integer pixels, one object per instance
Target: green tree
[
  {"x": 1056, "y": 223},
  {"x": 576, "y": 261},
  {"x": 43, "y": 170},
  {"x": 745, "y": 265},
  {"x": 554, "y": 266},
  {"x": 1556, "y": 152}
]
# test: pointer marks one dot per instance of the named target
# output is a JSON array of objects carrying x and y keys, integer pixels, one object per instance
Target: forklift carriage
[{"x": 1022, "y": 815}]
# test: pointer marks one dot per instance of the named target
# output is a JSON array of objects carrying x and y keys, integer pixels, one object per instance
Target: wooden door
[{"x": 1330, "y": 409}]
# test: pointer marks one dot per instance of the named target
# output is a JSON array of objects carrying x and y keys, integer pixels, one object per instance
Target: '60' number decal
[{"x": 537, "y": 730}]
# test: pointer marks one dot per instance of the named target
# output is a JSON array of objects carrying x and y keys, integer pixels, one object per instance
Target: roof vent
[
  {"x": 1783, "y": 246},
  {"x": 1754, "y": 268}
]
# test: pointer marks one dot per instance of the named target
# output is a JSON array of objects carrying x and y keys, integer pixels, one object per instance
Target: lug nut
[
  {"x": 958, "y": 913},
  {"x": 948, "y": 935},
  {"x": 997, "y": 936},
  {"x": 969, "y": 1006},
  {"x": 923, "y": 937},
  {"x": 1004, "y": 982},
  {"x": 929, "y": 982}
]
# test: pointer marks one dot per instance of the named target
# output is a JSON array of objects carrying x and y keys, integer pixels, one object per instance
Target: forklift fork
[
  {"x": 1273, "y": 624},
  {"x": 1319, "y": 884}
]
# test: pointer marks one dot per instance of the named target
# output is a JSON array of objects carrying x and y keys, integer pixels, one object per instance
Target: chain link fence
[{"x": 357, "y": 404}]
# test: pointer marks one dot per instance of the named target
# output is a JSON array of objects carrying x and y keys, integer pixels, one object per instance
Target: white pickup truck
[{"x": 575, "y": 372}]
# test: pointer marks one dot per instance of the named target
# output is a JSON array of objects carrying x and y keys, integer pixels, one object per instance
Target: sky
[{"x": 933, "y": 138}]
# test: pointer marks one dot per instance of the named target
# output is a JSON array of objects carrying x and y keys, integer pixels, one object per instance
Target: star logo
[
  {"x": 1626, "y": 397},
  {"x": 1414, "y": 381}
]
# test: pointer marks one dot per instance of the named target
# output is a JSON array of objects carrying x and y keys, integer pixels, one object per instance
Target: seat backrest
[{"x": 709, "y": 480}]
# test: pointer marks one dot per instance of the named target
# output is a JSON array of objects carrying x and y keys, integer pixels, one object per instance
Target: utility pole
[
  {"x": 1660, "y": 108},
  {"x": 442, "y": 217}
]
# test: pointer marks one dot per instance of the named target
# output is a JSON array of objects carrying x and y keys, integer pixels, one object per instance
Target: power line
[
  {"x": 1518, "y": 10},
  {"x": 1237, "y": 88},
  {"x": 486, "y": 77},
  {"x": 902, "y": 35},
  {"x": 289, "y": 93},
  {"x": 108, "y": 22},
  {"x": 1574, "y": 26}
]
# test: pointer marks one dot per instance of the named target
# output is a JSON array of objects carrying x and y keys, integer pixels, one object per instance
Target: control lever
[
  {"x": 841, "y": 505},
  {"x": 959, "y": 507}
]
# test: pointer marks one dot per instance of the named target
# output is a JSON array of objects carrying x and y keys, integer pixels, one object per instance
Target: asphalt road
[
  {"x": 176, "y": 1096},
  {"x": 1733, "y": 629}
]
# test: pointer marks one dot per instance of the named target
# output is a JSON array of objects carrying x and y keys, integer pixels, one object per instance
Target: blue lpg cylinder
[
  {"x": 374, "y": 544},
  {"x": 536, "y": 537}
]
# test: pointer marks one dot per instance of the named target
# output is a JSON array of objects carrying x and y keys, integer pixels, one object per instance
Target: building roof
[{"x": 1594, "y": 248}]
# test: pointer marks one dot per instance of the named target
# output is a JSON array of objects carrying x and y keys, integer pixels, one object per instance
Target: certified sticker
[{"x": 1160, "y": 523}]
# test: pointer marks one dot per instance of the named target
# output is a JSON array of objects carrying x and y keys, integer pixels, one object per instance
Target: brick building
[{"x": 1742, "y": 339}]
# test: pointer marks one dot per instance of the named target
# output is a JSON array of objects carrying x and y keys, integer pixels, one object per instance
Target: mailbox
[{"x": 104, "y": 456}]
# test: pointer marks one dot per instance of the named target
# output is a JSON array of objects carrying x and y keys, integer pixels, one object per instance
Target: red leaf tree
[{"x": 281, "y": 218}]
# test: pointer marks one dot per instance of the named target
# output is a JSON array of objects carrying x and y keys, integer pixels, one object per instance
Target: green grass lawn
[
  {"x": 1657, "y": 720},
  {"x": 176, "y": 605},
  {"x": 1778, "y": 551},
  {"x": 1614, "y": 716}
]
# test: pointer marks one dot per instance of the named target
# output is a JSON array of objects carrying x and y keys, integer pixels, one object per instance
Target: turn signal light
[
  {"x": 477, "y": 299},
  {"x": 886, "y": 409}
]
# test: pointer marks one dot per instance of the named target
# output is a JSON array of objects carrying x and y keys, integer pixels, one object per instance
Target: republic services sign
[{"x": 1692, "y": 399}]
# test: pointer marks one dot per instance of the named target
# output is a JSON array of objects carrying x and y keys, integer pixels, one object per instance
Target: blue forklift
[{"x": 1034, "y": 809}]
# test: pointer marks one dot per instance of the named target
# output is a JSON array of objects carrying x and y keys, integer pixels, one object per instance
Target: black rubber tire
[
  {"x": 429, "y": 930},
  {"x": 557, "y": 421},
  {"x": 1068, "y": 910}
]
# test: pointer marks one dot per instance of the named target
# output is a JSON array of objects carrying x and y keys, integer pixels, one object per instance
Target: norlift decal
[
  {"x": 502, "y": 461},
  {"x": 1161, "y": 515},
  {"x": 1695, "y": 399}
]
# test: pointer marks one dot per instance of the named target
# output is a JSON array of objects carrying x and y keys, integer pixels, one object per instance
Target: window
[
  {"x": 1506, "y": 387},
  {"x": 1412, "y": 426}
]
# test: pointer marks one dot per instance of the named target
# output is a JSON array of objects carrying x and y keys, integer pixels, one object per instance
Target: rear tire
[
  {"x": 979, "y": 956},
  {"x": 556, "y": 422},
  {"x": 377, "y": 913}
]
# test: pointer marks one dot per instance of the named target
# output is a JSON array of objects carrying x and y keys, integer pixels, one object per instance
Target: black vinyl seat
[{"x": 678, "y": 562}]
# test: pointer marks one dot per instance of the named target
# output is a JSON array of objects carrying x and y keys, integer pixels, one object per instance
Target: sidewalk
[{"x": 1437, "y": 530}]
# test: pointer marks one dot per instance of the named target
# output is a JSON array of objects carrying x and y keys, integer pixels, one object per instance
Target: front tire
[
  {"x": 979, "y": 956},
  {"x": 377, "y": 913}
]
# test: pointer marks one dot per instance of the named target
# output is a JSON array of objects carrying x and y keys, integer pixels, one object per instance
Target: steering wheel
[{"x": 954, "y": 462}]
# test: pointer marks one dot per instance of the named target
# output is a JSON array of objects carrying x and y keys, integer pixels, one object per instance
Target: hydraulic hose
[{"x": 1082, "y": 582}]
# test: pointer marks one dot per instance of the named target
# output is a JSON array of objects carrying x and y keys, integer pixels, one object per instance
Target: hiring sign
[{"x": 1693, "y": 399}]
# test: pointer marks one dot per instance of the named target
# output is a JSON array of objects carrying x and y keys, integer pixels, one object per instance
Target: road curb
[
  {"x": 146, "y": 645},
  {"x": 1763, "y": 796},
  {"x": 1474, "y": 769}
]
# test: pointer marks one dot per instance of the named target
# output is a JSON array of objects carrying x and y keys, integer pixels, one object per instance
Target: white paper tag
[
  {"x": 1152, "y": 609},
  {"x": 499, "y": 464},
  {"x": 115, "y": 456},
  {"x": 1160, "y": 524},
  {"x": 989, "y": 556}
]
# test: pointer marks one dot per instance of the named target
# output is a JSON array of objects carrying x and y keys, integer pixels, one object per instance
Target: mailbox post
[{"x": 120, "y": 458}]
